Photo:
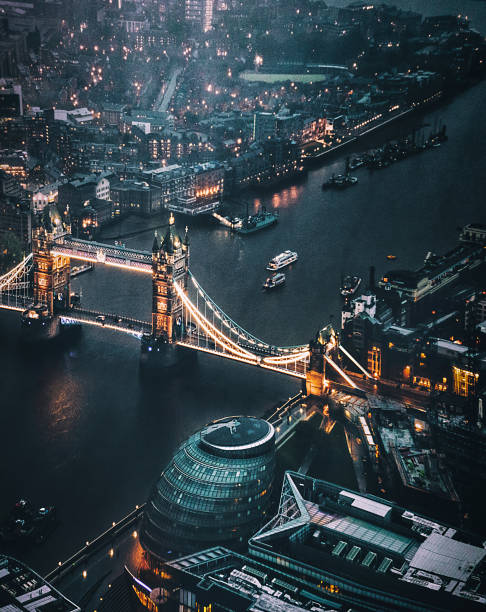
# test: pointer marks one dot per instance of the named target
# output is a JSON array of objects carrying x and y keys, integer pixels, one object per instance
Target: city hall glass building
[{"x": 215, "y": 490}]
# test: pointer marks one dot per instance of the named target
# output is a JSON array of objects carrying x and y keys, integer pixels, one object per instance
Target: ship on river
[
  {"x": 253, "y": 223},
  {"x": 250, "y": 223}
]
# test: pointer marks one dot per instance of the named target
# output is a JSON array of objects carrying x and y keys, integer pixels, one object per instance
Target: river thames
[{"x": 79, "y": 430}]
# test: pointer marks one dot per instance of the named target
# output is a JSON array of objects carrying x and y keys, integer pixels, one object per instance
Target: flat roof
[
  {"x": 447, "y": 557},
  {"x": 404, "y": 331},
  {"x": 268, "y": 603},
  {"x": 22, "y": 589},
  {"x": 365, "y": 503},
  {"x": 370, "y": 534},
  {"x": 451, "y": 346},
  {"x": 234, "y": 433},
  {"x": 163, "y": 169}
]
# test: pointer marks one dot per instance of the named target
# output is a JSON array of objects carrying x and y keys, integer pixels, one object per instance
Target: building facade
[{"x": 215, "y": 490}]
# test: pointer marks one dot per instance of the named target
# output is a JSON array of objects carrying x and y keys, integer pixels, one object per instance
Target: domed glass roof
[{"x": 215, "y": 490}]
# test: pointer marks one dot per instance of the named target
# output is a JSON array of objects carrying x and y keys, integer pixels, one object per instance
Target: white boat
[
  {"x": 276, "y": 280},
  {"x": 282, "y": 260}
]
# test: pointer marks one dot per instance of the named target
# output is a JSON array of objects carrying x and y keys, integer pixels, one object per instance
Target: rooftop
[
  {"x": 21, "y": 589},
  {"x": 254, "y": 586},
  {"x": 374, "y": 542},
  {"x": 236, "y": 433},
  {"x": 447, "y": 557}
]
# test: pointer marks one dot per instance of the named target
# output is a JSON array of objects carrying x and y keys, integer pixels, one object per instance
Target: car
[{"x": 101, "y": 319}]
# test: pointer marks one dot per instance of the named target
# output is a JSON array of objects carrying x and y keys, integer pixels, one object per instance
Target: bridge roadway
[
  {"x": 414, "y": 399},
  {"x": 135, "y": 327},
  {"x": 97, "y": 252},
  {"x": 204, "y": 343}
]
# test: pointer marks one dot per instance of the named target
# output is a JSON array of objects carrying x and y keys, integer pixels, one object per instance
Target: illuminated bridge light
[
  {"x": 338, "y": 369},
  {"x": 290, "y": 360},
  {"x": 280, "y": 358},
  {"x": 15, "y": 272},
  {"x": 215, "y": 334}
]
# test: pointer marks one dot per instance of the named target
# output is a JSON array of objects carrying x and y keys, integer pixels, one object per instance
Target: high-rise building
[{"x": 199, "y": 14}]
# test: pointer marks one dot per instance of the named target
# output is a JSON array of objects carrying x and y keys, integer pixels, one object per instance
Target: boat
[
  {"x": 356, "y": 163},
  {"x": 340, "y": 181},
  {"x": 259, "y": 221},
  {"x": 391, "y": 257},
  {"x": 77, "y": 270},
  {"x": 25, "y": 524},
  {"x": 282, "y": 260},
  {"x": 276, "y": 280},
  {"x": 249, "y": 223},
  {"x": 350, "y": 285}
]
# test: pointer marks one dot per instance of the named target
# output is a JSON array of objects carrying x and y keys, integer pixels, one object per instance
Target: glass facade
[{"x": 215, "y": 490}]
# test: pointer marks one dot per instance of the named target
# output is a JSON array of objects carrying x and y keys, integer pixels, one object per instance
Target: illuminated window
[
  {"x": 374, "y": 361},
  {"x": 464, "y": 382},
  {"x": 421, "y": 381}
]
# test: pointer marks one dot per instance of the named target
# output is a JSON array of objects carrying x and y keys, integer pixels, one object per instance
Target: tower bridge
[
  {"x": 96, "y": 252},
  {"x": 184, "y": 317}
]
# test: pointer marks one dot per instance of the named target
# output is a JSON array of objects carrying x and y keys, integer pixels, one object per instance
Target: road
[
  {"x": 414, "y": 399},
  {"x": 168, "y": 92}
]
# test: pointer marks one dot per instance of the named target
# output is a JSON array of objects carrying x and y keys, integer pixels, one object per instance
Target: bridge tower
[
  {"x": 325, "y": 341},
  {"x": 315, "y": 380},
  {"x": 170, "y": 262},
  {"x": 51, "y": 272}
]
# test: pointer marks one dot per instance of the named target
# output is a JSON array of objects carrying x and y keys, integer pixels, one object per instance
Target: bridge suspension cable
[
  {"x": 355, "y": 361},
  {"x": 286, "y": 359},
  {"x": 294, "y": 364},
  {"x": 15, "y": 285},
  {"x": 237, "y": 330},
  {"x": 217, "y": 336},
  {"x": 339, "y": 371},
  {"x": 12, "y": 274}
]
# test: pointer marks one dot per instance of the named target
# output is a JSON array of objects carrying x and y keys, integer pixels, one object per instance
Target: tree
[{"x": 10, "y": 251}]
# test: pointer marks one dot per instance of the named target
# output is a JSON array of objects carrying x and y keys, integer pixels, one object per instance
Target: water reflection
[{"x": 287, "y": 197}]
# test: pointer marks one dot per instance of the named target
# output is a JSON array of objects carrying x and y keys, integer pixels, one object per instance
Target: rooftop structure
[
  {"x": 418, "y": 466},
  {"x": 474, "y": 232},
  {"x": 369, "y": 549},
  {"x": 22, "y": 590},
  {"x": 436, "y": 272},
  {"x": 225, "y": 580}
]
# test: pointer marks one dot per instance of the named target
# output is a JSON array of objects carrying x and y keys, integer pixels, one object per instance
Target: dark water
[{"x": 77, "y": 427}]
